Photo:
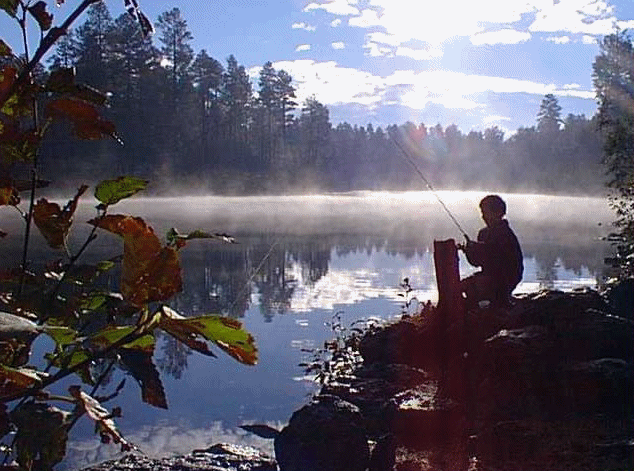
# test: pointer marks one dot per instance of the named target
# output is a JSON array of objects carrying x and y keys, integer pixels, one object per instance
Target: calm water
[{"x": 299, "y": 260}]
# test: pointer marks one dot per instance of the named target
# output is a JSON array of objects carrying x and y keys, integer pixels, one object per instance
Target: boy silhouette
[{"x": 497, "y": 252}]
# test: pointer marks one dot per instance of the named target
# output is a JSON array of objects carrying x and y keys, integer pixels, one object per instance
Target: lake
[{"x": 299, "y": 261}]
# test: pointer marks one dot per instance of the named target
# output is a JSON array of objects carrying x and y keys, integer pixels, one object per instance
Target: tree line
[{"x": 186, "y": 116}]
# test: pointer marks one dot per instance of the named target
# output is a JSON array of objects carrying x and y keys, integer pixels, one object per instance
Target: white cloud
[
  {"x": 303, "y": 26},
  {"x": 335, "y": 7},
  {"x": 383, "y": 38},
  {"x": 585, "y": 39},
  {"x": 368, "y": 18},
  {"x": 434, "y": 23},
  {"x": 336, "y": 22},
  {"x": 494, "y": 119},
  {"x": 623, "y": 25},
  {"x": 419, "y": 54},
  {"x": 376, "y": 50},
  {"x": 338, "y": 45},
  {"x": 333, "y": 84},
  {"x": 558, "y": 39},
  {"x": 503, "y": 36},
  {"x": 574, "y": 16},
  {"x": 302, "y": 47}
]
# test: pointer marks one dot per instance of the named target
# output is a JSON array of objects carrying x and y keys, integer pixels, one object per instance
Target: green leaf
[
  {"x": 62, "y": 336},
  {"x": 105, "y": 265},
  {"x": 94, "y": 301},
  {"x": 10, "y": 6},
  {"x": 70, "y": 359},
  {"x": 225, "y": 332},
  {"x": 111, "y": 334},
  {"x": 112, "y": 191}
]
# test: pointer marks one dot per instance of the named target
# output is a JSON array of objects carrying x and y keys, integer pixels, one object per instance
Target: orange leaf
[
  {"x": 43, "y": 18},
  {"x": 7, "y": 77},
  {"x": 9, "y": 196},
  {"x": 150, "y": 271},
  {"x": 103, "y": 419},
  {"x": 84, "y": 116},
  {"x": 54, "y": 222}
]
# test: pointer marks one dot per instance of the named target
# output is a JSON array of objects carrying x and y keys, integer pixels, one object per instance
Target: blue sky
[{"x": 473, "y": 63}]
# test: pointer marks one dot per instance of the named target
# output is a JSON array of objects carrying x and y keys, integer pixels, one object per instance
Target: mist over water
[{"x": 298, "y": 261}]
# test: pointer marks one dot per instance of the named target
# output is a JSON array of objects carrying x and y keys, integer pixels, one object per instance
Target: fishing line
[
  {"x": 255, "y": 272},
  {"x": 409, "y": 160}
]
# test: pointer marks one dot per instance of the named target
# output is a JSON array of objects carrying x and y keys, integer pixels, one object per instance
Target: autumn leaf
[
  {"x": 9, "y": 196},
  {"x": 84, "y": 116},
  {"x": 42, "y": 434},
  {"x": 141, "y": 367},
  {"x": 5, "y": 50},
  {"x": 178, "y": 240},
  {"x": 62, "y": 80},
  {"x": 17, "y": 380},
  {"x": 112, "y": 191},
  {"x": 194, "y": 332},
  {"x": 146, "y": 25},
  {"x": 53, "y": 222},
  {"x": 150, "y": 271},
  {"x": 10, "y": 6},
  {"x": 104, "y": 424},
  {"x": 43, "y": 18},
  {"x": 8, "y": 75},
  {"x": 16, "y": 327}
]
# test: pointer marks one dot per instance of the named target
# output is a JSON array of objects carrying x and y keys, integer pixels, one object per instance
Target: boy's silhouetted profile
[{"x": 497, "y": 251}]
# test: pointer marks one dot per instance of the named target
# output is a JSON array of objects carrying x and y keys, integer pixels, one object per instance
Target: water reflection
[{"x": 298, "y": 260}]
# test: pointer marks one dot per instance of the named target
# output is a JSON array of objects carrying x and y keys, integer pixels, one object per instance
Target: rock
[
  {"x": 325, "y": 435},
  {"x": 554, "y": 309},
  {"x": 219, "y": 457},
  {"x": 620, "y": 298},
  {"x": 371, "y": 389},
  {"x": 398, "y": 343},
  {"x": 384, "y": 454},
  {"x": 592, "y": 444},
  {"x": 604, "y": 386},
  {"x": 595, "y": 334}
]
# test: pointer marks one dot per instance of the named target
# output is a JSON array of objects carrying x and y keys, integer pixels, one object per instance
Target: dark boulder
[
  {"x": 326, "y": 435},
  {"x": 620, "y": 298}
]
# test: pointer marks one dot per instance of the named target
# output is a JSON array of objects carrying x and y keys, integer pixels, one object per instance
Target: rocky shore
[{"x": 545, "y": 385}]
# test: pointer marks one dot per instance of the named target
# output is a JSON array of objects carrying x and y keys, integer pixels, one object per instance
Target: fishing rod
[{"x": 412, "y": 164}]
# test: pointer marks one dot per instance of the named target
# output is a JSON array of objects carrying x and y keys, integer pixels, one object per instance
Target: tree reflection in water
[{"x": 268, "y": 269}]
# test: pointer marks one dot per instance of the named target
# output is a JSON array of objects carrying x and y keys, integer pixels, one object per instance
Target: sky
[{"x": 476, "y": 64}]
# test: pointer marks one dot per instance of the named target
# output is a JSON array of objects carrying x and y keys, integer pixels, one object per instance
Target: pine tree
[
  {"x": 92, "y": 52},
  {"x": 549, "y": 114},
  {"x": 66, "y": 50},
  {"x": 613, "y": 76},
  {"x": 175, "y": 48},
  {"x": 207, "y": 76}
]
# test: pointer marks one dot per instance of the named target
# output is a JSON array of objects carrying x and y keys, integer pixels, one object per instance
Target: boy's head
[{"x": 493, "y": 208}]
